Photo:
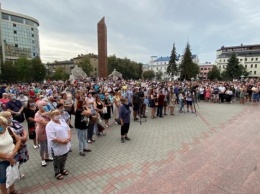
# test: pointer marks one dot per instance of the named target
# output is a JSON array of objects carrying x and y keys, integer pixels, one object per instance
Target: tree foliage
[
  {"x": 128, "y": 68},
  {"x": 188, "y": 68},
  {"x": 149, "y": 74},
  {"x": 234, "y": 70},
  {"x": 172, "y": 68},
  {"x": 85, "y": 64},
  {"x": 159, "y": 75},
  {"x": 38, "y": 70},
  {"x": 8, "y": 72},
  {"x": 60, "y": 74},
  {"x": 214, "y": 73},
  {"x": 23, "y": 69}
]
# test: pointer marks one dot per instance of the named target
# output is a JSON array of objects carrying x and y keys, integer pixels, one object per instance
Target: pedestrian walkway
[{"x": 216, "y": 151}]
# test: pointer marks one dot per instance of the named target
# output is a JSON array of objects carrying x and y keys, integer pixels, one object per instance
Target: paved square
[{"x": 216, "y": 151}]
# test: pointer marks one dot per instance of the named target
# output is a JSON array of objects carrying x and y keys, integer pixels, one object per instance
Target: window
[
  {"x": 256, "y": 59},
  {"x": 254, "y": 72},
  {"x": 32, "y": 29},
  {"x": 224, "y": 60},
  {"x": 255, "y": 65},
  {"x": 250, "y": 72},
  {"x": 251, "y": 65},
  {"x": 95, "y": 69},
  {"x": 245, "y": 66},
  {"x": 252, "y": 59},
  {"x": 15, "y": 38},
  {"x": 220, "y": 60},
  {"x": 33, "y": 41},
  {"x": 245, "y": 59},
  {"x": 15, "y": 32},
  {"x": 241, "y": 59},
  {"x": 5, "y": 16},
  {"x": 14, "y": 25},
  {"x": 16, "y": 45},
  {"x": 201, "y": 68},
  {"x": 32, "y": 35},
  {"x": 16, "y": 19},
  {"x": 205, "y": 68}
]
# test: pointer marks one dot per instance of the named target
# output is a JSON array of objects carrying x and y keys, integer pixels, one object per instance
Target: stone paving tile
[{"x": 113, "y": 166}]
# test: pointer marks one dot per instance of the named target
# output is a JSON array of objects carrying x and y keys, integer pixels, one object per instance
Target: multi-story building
[
  {"x": 204, "y": 69},
  {"x": 248, "y": 56},
  {"x": 70, "y": 64},
  {"x": 19, "y": 36},
  {"x": 160, "y": 64}
]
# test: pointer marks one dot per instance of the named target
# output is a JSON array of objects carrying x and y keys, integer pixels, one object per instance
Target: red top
[{"x": 161, "y": 99}]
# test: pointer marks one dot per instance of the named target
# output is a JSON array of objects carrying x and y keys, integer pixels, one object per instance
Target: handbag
[
  {"x": 104, "y": 110},
  {"x": 12, "y": 174}
]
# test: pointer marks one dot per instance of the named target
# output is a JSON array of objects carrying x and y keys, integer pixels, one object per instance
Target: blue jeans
[
  {"x": 181, "y": 104},
  {"x": 159, "y": 111},
  {"x": 82, "y": 135},
  {"x": 91, "y": 130}
]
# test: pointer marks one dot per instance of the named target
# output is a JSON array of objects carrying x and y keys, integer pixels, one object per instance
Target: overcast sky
[{"x": 138, "y": 29}]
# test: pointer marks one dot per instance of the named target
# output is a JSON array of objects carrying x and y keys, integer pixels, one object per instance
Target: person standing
[
  {"x": 124, "y": 116},
  {"x": 81, "y": 125},
  {"x": 15, "y": 107},
  {"x": 8, "y": 152},
  {"x": 160, "y": 104},
  {"x": 42, "y": 118},
  {"x": 59, "y": 137}
]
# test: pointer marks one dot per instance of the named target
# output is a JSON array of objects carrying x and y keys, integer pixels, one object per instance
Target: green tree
[
  {"x": 60, "y": 74},
  {"x": 38, "y": 70},
  {"x": 128, "y": 68},
  {"x": 243, "y": 70},
  {"x": 23, "y": 69},
  {"x": 158, "y": 75},
  {"x": 172, "y": 68},
  {"x": 148, "y": 74},
  {"x": 8, "y": 72},
  {"x": 234, "y": 70},
  {"x": 188, "y": 68},
  {"x": 85, "y": 64},
  {"x": 214, "y": 73}
]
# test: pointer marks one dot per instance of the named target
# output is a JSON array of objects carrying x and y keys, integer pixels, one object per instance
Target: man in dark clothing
[
  {"x": 160, "y": 104},
  {"x": 16, "y": 108}
]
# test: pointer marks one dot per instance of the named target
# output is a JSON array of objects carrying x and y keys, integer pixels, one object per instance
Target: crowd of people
[{"x": 47, "y": 108}]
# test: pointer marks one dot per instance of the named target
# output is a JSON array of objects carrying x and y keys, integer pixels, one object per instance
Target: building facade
[
  {"x": 68, "y": 65},
  {"x": 19, "y": 36},
  {"x": 248, "y": 56},
  {"x": 160, "y": 64},
  {"x": 204, "y": 69}
]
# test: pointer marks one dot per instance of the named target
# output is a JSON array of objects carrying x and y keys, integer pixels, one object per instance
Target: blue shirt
[{"x": 124, "y": 113}]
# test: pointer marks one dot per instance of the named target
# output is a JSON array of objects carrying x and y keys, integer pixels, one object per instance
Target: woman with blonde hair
[
  {"x": 116, "y": 105},
  {"x": 22, "y": 155},
  {"x": 59, "y": 137},
  {"x": 8, "y": 152},
  {"x": 42, "y": 118}
]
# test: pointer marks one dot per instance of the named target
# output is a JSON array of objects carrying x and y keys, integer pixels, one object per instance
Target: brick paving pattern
[{"x": 216, "y": 151}]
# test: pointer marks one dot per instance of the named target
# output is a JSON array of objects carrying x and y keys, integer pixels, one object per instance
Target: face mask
[
  {"x": 1, "y": 129},
  {"x": 56, "y": 117},
  {"x": 45, "y": 108},
  {"x": 32, "y": 104}
]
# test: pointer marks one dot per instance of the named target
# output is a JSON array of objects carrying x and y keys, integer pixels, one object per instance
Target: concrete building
[
  {"x": 19, "y": 36},
  {"x": 102, "y": 48},
  {"x": 248, "y": 56},
  {"x": 161, "y": 63},
  {"x": 204, "y": 69},
  {"x": 68, "y": 65}
]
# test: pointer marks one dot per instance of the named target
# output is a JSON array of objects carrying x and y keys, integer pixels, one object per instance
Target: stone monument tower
[{"x": 102, "y": 48}]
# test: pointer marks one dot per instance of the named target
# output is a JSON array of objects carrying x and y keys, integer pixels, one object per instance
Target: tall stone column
[{"x": 102, "y": 48}]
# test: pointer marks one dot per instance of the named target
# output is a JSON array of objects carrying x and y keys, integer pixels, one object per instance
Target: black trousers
[
  {"x": 125, "y": 129},
  {"x": 59, "y": 163}
]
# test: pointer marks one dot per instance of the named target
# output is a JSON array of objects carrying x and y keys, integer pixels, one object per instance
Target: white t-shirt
[
  {"x": 6, "y": 143},
  {"x": 58, "y": 131}
]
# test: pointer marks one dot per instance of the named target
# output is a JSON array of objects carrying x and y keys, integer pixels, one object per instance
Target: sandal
[
  {"x": 64, "y": 172},
  {"x": 59, "y": 177},
  {"x": 82, "y": 154}
]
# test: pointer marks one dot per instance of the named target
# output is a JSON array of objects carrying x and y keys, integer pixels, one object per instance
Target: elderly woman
[
  {"x": 22, "y": 155},
  {"x": 59, "y": 137},
  {"x": 8, "y": 151},
  {"x": 81, "y": 125},
  {"x": 42, "y": 118},
  {"x": 124, "y": 116}
]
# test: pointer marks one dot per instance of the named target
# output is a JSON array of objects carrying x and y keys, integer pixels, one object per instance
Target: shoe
[
  {"x": 89, "y": 141},
  {"x": 82, "y": 154},
  {"x": 106, "y": 126},
  {"x": 87, "y": 150},
  {"x": 92, "y": 140},
  {"x": 70, "y": 150},
  {"x": 35, "y": 147},
  {"x": 127, "y": 138},
  {"x": 123, "y": 140},
  {"x": 116, "y": 123},
  {"x": 39, "y": 145},
  {"x": 22, "y": 176},
  {"x": 49, "y": 159},
  {"x": 44, "y": 163},
  {"x": 136, "y": 119}
]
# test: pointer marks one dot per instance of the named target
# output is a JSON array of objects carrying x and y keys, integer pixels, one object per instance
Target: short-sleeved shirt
[
  {"x": 40, "y": 128},
  {"x": 14, "y": 105},
  {"x": 58, "y": 131}
]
